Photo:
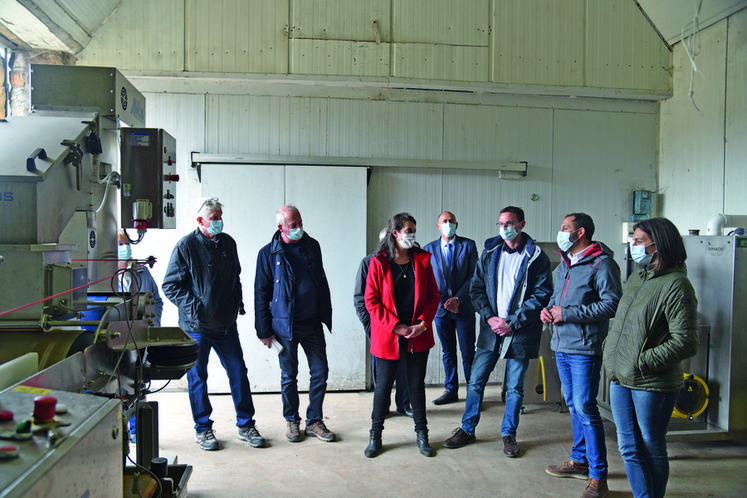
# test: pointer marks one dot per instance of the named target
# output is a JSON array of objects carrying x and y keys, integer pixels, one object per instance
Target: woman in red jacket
[{"x": 402, "y": 298}]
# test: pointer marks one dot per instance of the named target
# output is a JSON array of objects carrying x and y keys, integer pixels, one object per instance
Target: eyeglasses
[{"x": 507, "y": 224}]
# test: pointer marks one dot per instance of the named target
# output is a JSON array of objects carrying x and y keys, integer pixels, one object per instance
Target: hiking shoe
[
  {"x": 320, "y": 430},
  {"x": 510, "y": 446},
  {"x": 459, "y": 437},
  {"x": 596, "y": 488},
  {"x": 569, "y": 468},
  {"x": 206, "y": 440},
  {"x": 252, "y": 436},
  {"x": 293, "y": 434}
]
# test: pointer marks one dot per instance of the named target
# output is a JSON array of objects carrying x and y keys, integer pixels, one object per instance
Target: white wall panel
[
  {"x": 340, "y": 20},
  {"x": 339, "y": 57},
  {"x": 623, "y": 50},
  {"x": 265, "y": 125},
  {"x": 735, "y": 176},
  {"x": 691, "y": 157},
  {"x": 141, "y": 34},
  {"x": 441, "y": 22},
  {"x": 440, "y": 62},
  {"x": 547, "y": 51},
  {"x": 237, "y": 36},
  {"x": 600, "y": 158},
  {"x": 384, "y": 129}
]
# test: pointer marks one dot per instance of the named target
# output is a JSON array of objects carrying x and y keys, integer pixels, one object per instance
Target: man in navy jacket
[
  {"x": 453, "y": 259},
  {"x": 291, "y": 301},
  {"x": 512, "y": 284}
]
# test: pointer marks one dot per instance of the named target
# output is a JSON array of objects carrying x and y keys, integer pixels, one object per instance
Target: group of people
[{"x": 401, "y": 290}]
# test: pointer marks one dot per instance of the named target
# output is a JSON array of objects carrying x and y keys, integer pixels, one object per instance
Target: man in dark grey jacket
[
  {"x": 587, "y": 290},
  {"x": 202, "y": 280}
]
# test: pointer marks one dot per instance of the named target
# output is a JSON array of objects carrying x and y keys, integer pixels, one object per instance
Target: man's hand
[
  {"x": 268, "y": 341},
  {"x": 557, "y": 314},
  {"x": 499, "y": 326},
  {"x": 546, "y": 315},
  {"x": 452, "y": 304}
]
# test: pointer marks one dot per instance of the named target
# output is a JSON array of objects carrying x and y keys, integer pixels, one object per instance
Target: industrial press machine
[{"x": 80, "y": 166}]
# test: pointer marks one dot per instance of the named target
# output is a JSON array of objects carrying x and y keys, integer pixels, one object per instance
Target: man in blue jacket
[
  {"x": 202, "y": 280},
  {"x": 453, "y": 259},
  {"x": 512, "y": 283},
  {"x": 291, "y": 301},
  {"x": 587, "y": 290}
]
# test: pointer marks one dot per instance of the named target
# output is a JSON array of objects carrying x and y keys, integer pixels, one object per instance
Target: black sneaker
[
  {"x": 252, "y": 436},
  {"x": 206, "y": 440}
]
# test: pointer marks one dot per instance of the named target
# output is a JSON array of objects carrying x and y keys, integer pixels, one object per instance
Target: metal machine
[{"x": 94, "y": 347}]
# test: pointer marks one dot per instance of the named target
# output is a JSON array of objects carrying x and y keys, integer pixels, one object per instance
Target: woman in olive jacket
[{"x": 654, "y": 329}]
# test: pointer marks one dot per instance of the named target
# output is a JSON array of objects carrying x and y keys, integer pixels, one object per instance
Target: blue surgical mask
[
  {"x": 216, "y": 227},
  {"x": 124, "y": 252},
  {"x": 638, "y": 253},
  {"x": 448, "y": 229},
  {"x": 564, "y": 240},
  {"x": 295, "y": 233},
  {"x": 508, "y": 233}
]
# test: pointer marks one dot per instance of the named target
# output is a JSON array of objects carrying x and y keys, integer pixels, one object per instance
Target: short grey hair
[
  {"x": 208, "y": 206},
  {"x": 280, "y": 215}
]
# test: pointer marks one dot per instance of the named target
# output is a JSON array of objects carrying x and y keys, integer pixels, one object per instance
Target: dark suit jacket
[{"x": 465, "y": 260}]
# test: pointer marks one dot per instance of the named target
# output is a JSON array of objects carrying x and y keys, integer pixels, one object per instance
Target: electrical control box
[{"x": 148, "y": 193}]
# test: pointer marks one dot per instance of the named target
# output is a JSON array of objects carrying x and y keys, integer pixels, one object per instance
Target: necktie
[{"x": 449, "y": 256}]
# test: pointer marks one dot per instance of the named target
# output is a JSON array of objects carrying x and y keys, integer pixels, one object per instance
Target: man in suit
[{"x": 454, "y": 259}]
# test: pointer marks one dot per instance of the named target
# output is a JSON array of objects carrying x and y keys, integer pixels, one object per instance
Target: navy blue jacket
[
  {"x": 274, "y": 285},
  {"x": 531, "y": 293},
  {"x": 202, "y": 280},
  {"x": 464, "y": 262},
  {"x": 588, "y": 292}
]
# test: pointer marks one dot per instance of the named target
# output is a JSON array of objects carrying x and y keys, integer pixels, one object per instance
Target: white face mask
[
  {"x": 295, "y": 233},
  {"x": 508, "y": 233},
  {"x": 407, "y": 241},
  {"x": 448, "y": 229},
  {"x": 564, "y": 240},
  {"x": 638, "y": 253}
]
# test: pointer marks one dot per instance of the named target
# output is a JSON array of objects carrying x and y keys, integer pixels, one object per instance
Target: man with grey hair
[
  {"x": 202, "y": 280},
  {"x": 291, "y": 301}
]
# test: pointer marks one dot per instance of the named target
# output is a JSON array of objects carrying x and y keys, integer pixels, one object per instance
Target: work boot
[
  {"x": 320, "y": 430},
  {"x": 374, "y": 444},
  {"x": 459, "y": 437},
  {"x": 423, "y": 445},
  {"x": 252, "y": 436},
  {"x": 596, "y": 488},
  {"x": 293, "y": 434},
  {"x": 569, "y": 468}
]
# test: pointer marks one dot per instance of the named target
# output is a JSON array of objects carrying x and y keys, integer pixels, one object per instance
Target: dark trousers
[
  {"x": 386, "y": 372},
  {"x": 451, "y": 329},
  {"x": 310, "y": 335},
  {"x": 401, "y": 392}
]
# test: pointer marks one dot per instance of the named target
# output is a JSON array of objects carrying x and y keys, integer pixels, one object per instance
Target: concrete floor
[{"x": 314, "y": 468}]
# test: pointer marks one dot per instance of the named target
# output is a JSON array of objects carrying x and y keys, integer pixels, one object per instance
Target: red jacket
[{"x": 381, "y": 306}]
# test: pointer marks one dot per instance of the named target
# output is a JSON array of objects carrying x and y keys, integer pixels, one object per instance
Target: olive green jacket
[{"x": 654, "y": 329}]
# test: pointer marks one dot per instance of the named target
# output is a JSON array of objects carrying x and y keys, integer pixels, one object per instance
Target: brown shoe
[
  {"x": 294, "y": 432},
  {"x": 458, "y": 439},
  {"x": 510, "y": 446},
  {"x": 595, "y": 488},
  {"x": 569, "y": 468},
  {"x": 320, "y": 430}
]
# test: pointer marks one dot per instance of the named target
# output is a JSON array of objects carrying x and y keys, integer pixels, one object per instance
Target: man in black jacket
[{"x": 202, "y": 280}]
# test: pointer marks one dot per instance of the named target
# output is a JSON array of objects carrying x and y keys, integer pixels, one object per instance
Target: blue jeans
[
  {"x": 231, "y": 357},
  {"x": 483, "y": 364},
  {"x": 401, "y": 392},
  {"x": 642, "y": 419},
  {"x": 452, "y": 328},
  {"x": 579, "y": 376},
  {"x": 310, "y": 335}
]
